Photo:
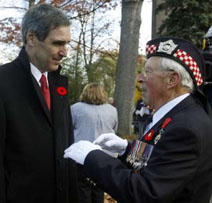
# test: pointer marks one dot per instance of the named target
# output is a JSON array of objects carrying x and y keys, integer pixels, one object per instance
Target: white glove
[
  {"x": 112, "y": 143},
  {"x": 79, "y": 151}
]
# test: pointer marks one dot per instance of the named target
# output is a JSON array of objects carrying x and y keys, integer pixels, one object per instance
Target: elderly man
[{"x": 171, "y": 161}]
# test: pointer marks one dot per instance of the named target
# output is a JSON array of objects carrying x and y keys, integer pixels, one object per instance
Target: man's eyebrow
[{"x": 61, "y": 42}]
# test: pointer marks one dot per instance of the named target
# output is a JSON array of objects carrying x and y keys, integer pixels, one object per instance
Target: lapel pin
[{"x": 62, "y": 91}]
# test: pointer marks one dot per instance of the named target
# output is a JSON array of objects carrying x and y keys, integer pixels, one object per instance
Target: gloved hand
[
  {"x": 112, "y": 143},
  {"x": 78, "y": 151}
]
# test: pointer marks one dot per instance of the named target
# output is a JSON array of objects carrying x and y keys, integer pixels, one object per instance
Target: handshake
[{"x": 108, "y": 141}]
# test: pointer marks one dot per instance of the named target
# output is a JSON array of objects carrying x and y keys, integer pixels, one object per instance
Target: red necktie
[{"x": 45, "y": 90}]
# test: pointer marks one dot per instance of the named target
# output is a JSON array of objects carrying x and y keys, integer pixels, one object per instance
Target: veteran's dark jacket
[
  {"x": 33, "y": 140},
  {"x": 179, "y": 169}
]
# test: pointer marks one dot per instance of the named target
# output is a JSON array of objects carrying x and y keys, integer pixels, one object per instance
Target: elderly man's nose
[{"x": 140, "y": 78}]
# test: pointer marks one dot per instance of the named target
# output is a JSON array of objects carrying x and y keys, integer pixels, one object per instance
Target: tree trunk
[{"x": 127, "y": 62}]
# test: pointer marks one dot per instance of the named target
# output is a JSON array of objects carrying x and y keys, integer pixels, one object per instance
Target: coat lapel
[
  {"x": 41, "y": 99},
  {"x": 186, "y": 103},
  {"x": 26, "y": 65},
  {"x": 57, "y": 100}
]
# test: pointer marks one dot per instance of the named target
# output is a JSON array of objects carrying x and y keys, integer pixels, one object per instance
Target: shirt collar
[{"x": 37, "y": 74}]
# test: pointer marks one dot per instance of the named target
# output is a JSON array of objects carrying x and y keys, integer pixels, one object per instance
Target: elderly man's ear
[{"x": 173, "y": 80}]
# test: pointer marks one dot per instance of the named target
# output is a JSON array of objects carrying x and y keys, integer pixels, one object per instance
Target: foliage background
[{"x": 188, "y": 19}]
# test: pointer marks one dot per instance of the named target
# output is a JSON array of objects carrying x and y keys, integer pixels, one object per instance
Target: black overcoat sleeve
[{"x": 2, "y": 149}]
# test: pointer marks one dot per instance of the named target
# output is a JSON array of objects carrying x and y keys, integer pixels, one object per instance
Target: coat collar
[
  {"x": 23, "y": 57},
  {"x": 166, "y": 108},
  {"x": 184, "y": 104},
  {"x": 55, "y": 81}
]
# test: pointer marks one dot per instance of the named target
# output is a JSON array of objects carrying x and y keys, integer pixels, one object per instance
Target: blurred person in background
[
  {"x": 140, "y": 114},
  {"x": 91, "y": 117}
]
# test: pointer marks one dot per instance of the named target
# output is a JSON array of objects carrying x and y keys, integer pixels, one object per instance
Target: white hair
[{"x": 169, "y": 64}]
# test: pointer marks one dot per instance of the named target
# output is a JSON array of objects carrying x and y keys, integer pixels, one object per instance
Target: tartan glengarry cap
[{"x": 181, "y": 51}]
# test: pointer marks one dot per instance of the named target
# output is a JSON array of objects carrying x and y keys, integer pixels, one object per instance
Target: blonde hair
[{"x": 94, "y": 93}]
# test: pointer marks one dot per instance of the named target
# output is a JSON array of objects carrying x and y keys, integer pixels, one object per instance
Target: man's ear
[
  {"x": 31, "y": 38},
  {"x": 173, "y": 79}
]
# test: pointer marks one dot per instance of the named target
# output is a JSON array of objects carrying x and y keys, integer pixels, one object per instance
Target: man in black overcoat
[
  {"x": 35, "y": 125},
  {"x": 171, "y": 160}
]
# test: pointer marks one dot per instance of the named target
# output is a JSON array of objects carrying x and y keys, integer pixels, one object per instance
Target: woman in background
[{"x": 92, "y": 116}]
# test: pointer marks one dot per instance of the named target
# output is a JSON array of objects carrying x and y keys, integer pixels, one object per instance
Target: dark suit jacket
[
  {"x": 33, "y": 140},
  {"x": 179, "y": 169}
]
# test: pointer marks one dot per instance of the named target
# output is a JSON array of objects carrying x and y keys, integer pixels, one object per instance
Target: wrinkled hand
[
  {"x": 79, "y": 151},
  {"x": 112, "y": 143}
]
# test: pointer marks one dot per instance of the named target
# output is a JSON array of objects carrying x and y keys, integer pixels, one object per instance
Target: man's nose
[
  {"x": 63, "y": 50},
  {"x": 141, "y": 78}
]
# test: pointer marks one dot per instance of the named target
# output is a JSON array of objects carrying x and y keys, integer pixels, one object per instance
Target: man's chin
[{"x": 53, "y": 68}]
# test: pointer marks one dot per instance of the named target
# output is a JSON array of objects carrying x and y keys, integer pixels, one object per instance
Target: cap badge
[{"x": 167, "y": 47}]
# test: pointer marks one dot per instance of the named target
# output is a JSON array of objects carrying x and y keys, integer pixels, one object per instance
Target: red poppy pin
[
  {"x": 62, "y": 91},
  {"x": 149, "y": 135}
]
